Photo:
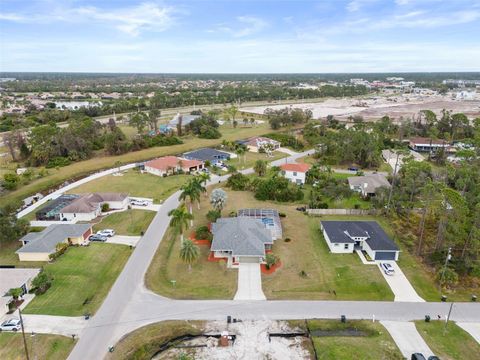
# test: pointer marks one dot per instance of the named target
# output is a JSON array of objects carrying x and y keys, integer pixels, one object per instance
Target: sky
[{"x": 239, "y": 36}]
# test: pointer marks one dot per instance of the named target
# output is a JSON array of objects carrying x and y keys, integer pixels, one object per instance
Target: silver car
[
  {"x": 388, "y": 269},
  {"x": 11, "y": 325}
]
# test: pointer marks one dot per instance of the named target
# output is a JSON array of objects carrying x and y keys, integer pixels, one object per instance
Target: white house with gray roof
[
  {"x": 240, "y": 239},
  {"x": 348, "y": 236},
  {"x": 37, "y": 246},
  {"x": 369, "y": 184}
]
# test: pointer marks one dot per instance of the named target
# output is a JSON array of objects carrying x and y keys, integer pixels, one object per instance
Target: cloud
[
  {"x": 249, "y": 25},
  {"x": 133, "y": 20},
  {"x": 356, "y": 5}
]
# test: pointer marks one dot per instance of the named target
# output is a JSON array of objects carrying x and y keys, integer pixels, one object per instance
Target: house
[
  {"x": 295, "y": 172},
  {"x": 390, "y": 156},
  {"x": 38, "y": 246},
  {"x": 255, "y": 144},
  {"x": 14, "y": 279},
  {"x": 51, "y": 211},
  {"x": 240, "y": 239},
  {"x": 186, "y": 119},
  {"x": 208, "y": 154},
  {"x": 367, "y": 185},
  {"x": 269, "y": 217},
  {"x": 169, "y": 165},
  {"x": 422, "y": 144},
  {"x": 89, "y": 206},
  {"x": 367, "y": 236}
]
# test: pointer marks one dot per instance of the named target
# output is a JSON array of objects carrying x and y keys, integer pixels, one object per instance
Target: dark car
[
  {"x": 418, "y": 356},
  {"x": 351, "y": 168},
  {"x": 433, "y": 357},
  {"x": 96, "y": 237}
]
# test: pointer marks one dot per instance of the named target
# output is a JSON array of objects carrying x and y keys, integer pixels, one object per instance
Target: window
[
  {"x": 346, "y": 246},
  {"x": 294, "y": 173}
]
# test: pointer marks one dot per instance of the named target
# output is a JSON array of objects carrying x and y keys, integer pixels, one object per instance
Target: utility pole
[
  {"x": 447, "y": 259},
  {"x": 448, "y": 318},
  {"x": 23, "y": 334}
]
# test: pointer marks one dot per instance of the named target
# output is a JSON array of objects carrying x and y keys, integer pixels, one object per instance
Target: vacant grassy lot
[
  {"x": 145, "y": 342},
  {"x": 82, "y": 278},
  {"x": 248, "y": 159},
  {"x": 41, "y": 346},
  {"x": 454, "y": 344},
  {"x": 375, "y": 344},
  {"x": 135, "y": 183},
  {"x": 130, "y": 222},
  {"x": 306, "y": 252},
  {"x": 83, "y": 168}
]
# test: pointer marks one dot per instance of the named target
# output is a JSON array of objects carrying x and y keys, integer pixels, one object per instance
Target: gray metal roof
[
  {"x": 206, "y": 154},
  {"x": 370, "y": 183},
  {"x": 47, "y": 240},
  {"x": 242, "y": 236},
  {"x": 377, "y": 239}
]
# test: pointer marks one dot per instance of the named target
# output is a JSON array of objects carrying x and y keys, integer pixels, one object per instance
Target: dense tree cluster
[
  {"x": 287, "y": 117},
  {"x": 205, "y": 127}
]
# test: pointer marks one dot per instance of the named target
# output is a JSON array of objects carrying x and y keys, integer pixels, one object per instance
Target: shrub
[
  {"x": 10, "y": 181},
  {"x": 282, "y": 214},
  {"x": 356, "y": 206},
  {"x": 203, "y": 233},
  {"x": 105, "y": 207},
  {"x": 287, "y": 239},
  {"x": 213, "y": 215},
  {"x": 42, "y": 282},
  {"x": 232, "y": 214},
  {"x": 278, "y": 189},
  {"x": 57, "y": 162},
  {"x": 238, "y": 182},
  {"x": 270, "y": 260},
  {"x": 210, "y": 133}
]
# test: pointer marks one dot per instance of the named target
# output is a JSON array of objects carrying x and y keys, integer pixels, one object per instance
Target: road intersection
[{"x": 129, "y": 305}]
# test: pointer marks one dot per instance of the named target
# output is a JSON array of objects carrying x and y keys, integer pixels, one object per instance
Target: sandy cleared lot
[{"x": 374, "y": 107}]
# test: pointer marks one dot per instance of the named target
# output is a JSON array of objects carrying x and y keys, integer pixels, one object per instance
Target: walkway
[
  {"x": 124, "y": 240},
  {"x": 287, "y": 151},
  {"x": 407, "y": 338},
  {"x": 249, "y": 282},
  {"x": 401, "y": 287},
  {"x": 472, "y": 328}
]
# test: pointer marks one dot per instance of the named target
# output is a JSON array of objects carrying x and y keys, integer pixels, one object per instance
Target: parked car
[
  {"x": 388, "y": 269},
  {"x": 433, "y": 357},
  {"x": 97, "y": 237},
  {"x": 137, "y": 202},
  {"x": 417, "y": 356},
  {"x": 11, "y": 325},
  {"x": 351, "y": 168},
  {"x": 106, "y": 232}
]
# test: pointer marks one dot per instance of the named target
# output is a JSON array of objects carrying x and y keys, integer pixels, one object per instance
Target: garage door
[
  {"x": 249, "y": 259},
  {"x": 385, "y": 255}
]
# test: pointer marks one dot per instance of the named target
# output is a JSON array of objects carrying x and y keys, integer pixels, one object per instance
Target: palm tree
[
  {"x": 189, "y": 253},
  {"x": 218, "y": 199},
  {"x": 179, "y": 221},
  {"x": 190, "y": 191}
]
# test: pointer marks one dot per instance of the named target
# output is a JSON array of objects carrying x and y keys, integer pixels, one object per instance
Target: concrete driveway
[
  {"x": 401, "y": 287},
  {"x": 151, "y": 207},
  {"x": 124, "y": 240},
  {"x": 62, "y": 325},
  {"x": 287, "y": 151},
  {"x": 249, "y": 283},
  {"x": 407, "y": 338},
  {"x": 472, "y": 328}
]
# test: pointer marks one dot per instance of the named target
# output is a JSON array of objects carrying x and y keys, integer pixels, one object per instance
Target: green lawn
[
  {"x": 135, "y": 183},
  {"x": 452, "y": 344},
  {"x": 40, "y": 346},
  {"x": 129, "y": 222},
  {"x": 83, "y": 168},
  {"x": 129, "y": 131},
  {"x": 248, "y": 159},
  {"x": 306, "y": 251},
  {"x": 345, "y": 203},
  {"x": 376, "y": 344},
  {"x": 82, "y": 278}
]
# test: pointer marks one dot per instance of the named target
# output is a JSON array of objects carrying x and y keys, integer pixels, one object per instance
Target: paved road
[
  {"x": 130, "y": 305},
  {"x": 407, "y": 338}
]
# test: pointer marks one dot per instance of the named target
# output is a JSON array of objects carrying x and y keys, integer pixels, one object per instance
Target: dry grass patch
[{"x": 40, "y": 346}]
